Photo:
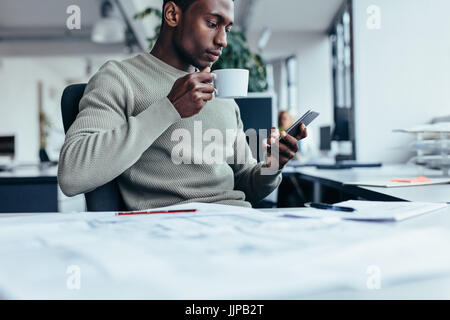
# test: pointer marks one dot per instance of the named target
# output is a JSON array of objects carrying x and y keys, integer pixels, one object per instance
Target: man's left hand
[{"x": 278, "y": 154}]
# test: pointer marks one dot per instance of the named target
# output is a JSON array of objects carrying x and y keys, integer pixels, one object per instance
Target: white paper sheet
[
  {"x": 389, "y": 184},
  {"x": 370, "y": 211},
  {"x": 221, "y": 253}
]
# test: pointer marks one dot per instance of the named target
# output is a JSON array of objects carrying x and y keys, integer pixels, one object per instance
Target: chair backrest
[{"x": 106, "y": 197}]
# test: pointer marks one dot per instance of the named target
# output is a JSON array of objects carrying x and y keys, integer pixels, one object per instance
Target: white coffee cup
[{"x": 231, "y": 83}]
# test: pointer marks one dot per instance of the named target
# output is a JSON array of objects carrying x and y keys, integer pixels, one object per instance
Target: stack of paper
[
  {"x": 391, "y": 184},
  {"x": 437, "y": 128},
  {"x": 371, "y": 210}
]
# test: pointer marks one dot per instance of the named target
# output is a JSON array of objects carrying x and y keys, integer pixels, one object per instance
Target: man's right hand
[{"x": 190, "y": 93}]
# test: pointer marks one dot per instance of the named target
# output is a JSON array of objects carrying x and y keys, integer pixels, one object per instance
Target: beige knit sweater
[{"x": 125, "y": 129}]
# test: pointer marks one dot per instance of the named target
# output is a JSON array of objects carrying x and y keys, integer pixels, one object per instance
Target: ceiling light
[
  {"x": 110, "y": 28},
  {"x": 264, "y": 38}
]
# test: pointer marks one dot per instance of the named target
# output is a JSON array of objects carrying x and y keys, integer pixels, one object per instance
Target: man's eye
[
  {"x": 228, "y": 30},
  {"x": 212, "y": 24}
]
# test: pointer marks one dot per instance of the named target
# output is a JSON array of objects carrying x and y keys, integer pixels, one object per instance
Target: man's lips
[{"x": 213, "y": 54}]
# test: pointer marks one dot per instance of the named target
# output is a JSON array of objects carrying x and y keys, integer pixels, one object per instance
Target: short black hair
[{"x": 183, "y": 4}]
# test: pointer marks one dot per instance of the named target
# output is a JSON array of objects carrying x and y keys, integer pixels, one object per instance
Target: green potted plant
[{"x": 236, "y": 55}]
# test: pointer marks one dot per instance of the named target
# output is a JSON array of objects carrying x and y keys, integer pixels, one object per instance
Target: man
[{"x": 131, "y": 109}]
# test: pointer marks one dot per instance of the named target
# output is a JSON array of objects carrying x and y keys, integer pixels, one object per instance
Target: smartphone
[{"x": 307, "y": 118}]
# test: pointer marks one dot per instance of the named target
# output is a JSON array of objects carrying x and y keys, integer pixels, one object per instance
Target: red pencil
[{"x": 155, "y": 212}]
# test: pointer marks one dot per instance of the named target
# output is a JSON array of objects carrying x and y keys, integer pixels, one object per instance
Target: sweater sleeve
[
  {"x": 104, "y": 141},
  {"x": 255, "y": 179}
]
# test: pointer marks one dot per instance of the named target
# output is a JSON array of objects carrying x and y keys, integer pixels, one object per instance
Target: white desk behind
[
  {"x": 336, "y": 178},
  {"x": 228, "y": 254}
]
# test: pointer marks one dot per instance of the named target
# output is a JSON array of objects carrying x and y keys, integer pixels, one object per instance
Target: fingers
[
  {"x": 286, "y": 151},
  {"x": 206, "y": 77},
  {"x": 193, "y": 87},
  {"x": 203, "y": 92},
  {"x": 274, "y": 136},
  {"x": 271, "y": 141},
  {"x": 283, "y": 161},
  {"x": 205, "y": 88},
  {"x": 277, "y": 162},
  {"x": 206, "y": 70},
  {"x": 282, "y": 152},
  {"x": 302, "y": 134},
  {"x": 203, "y": 96},
  {"x": 279, "y": 156},
  {"x": 289, "y": 141}
]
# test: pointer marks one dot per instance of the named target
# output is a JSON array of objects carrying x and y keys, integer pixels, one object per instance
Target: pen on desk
[
  {"x": 325, "y": 206},
  {"x": 155, "y": 212}
]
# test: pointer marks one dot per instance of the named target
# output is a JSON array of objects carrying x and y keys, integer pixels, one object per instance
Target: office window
[
  {"x": 292, "y": 83},
  {"x": 280, "y": 83},
  {"x": 342, "y": 62},
  {"x": 340, "y": 35},
  {"x": 284, "y": 74}
]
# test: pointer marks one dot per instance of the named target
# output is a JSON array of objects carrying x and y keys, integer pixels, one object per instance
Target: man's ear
[{"x": 172, "y": 14}]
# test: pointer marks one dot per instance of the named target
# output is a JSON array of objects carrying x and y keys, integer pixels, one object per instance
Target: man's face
[{"x": 202, "y": 32}]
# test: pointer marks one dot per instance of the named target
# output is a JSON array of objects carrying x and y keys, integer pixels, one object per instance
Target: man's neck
[{"x": 165, "y": 51}]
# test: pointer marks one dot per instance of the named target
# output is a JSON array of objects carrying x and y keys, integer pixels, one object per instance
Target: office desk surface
[
  {"x": 30, "y": 173},
  {"x": 29, "y": 188},
  {"x": 244, "y": 255},
  {"x": 429, "y": 193}
]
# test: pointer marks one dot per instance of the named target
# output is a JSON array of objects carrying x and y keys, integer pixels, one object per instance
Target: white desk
[
  {"x": 222, "y": 256},
  {"x": 336, "y": 178}
]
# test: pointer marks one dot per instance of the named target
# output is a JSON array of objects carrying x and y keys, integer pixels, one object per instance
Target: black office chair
[{"x": 106, "y": 197}]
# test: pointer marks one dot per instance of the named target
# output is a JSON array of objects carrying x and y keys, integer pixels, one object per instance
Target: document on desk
[
  {"x": 219, "y": 252},
  {"x": 398, "y": 183},
  {"x": 371, "y": 211}
]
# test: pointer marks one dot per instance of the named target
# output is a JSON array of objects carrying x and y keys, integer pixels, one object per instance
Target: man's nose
[{"x": 221, "y": 38}]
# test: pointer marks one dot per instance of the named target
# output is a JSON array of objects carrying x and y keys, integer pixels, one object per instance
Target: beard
[{"x": 186, "y": 56}]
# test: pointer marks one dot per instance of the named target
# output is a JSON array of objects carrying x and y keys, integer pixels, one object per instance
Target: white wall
[
  {"x": 402, "y": 73},
  {"x": 19, "y": 104},
  {"x": 315, "y": 80},
  {"x": 313, "y": 53},
  {"x": 19, "y": 79}
]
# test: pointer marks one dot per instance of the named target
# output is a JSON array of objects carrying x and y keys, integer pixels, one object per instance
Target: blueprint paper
[{"x": 221, "y": 252}]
